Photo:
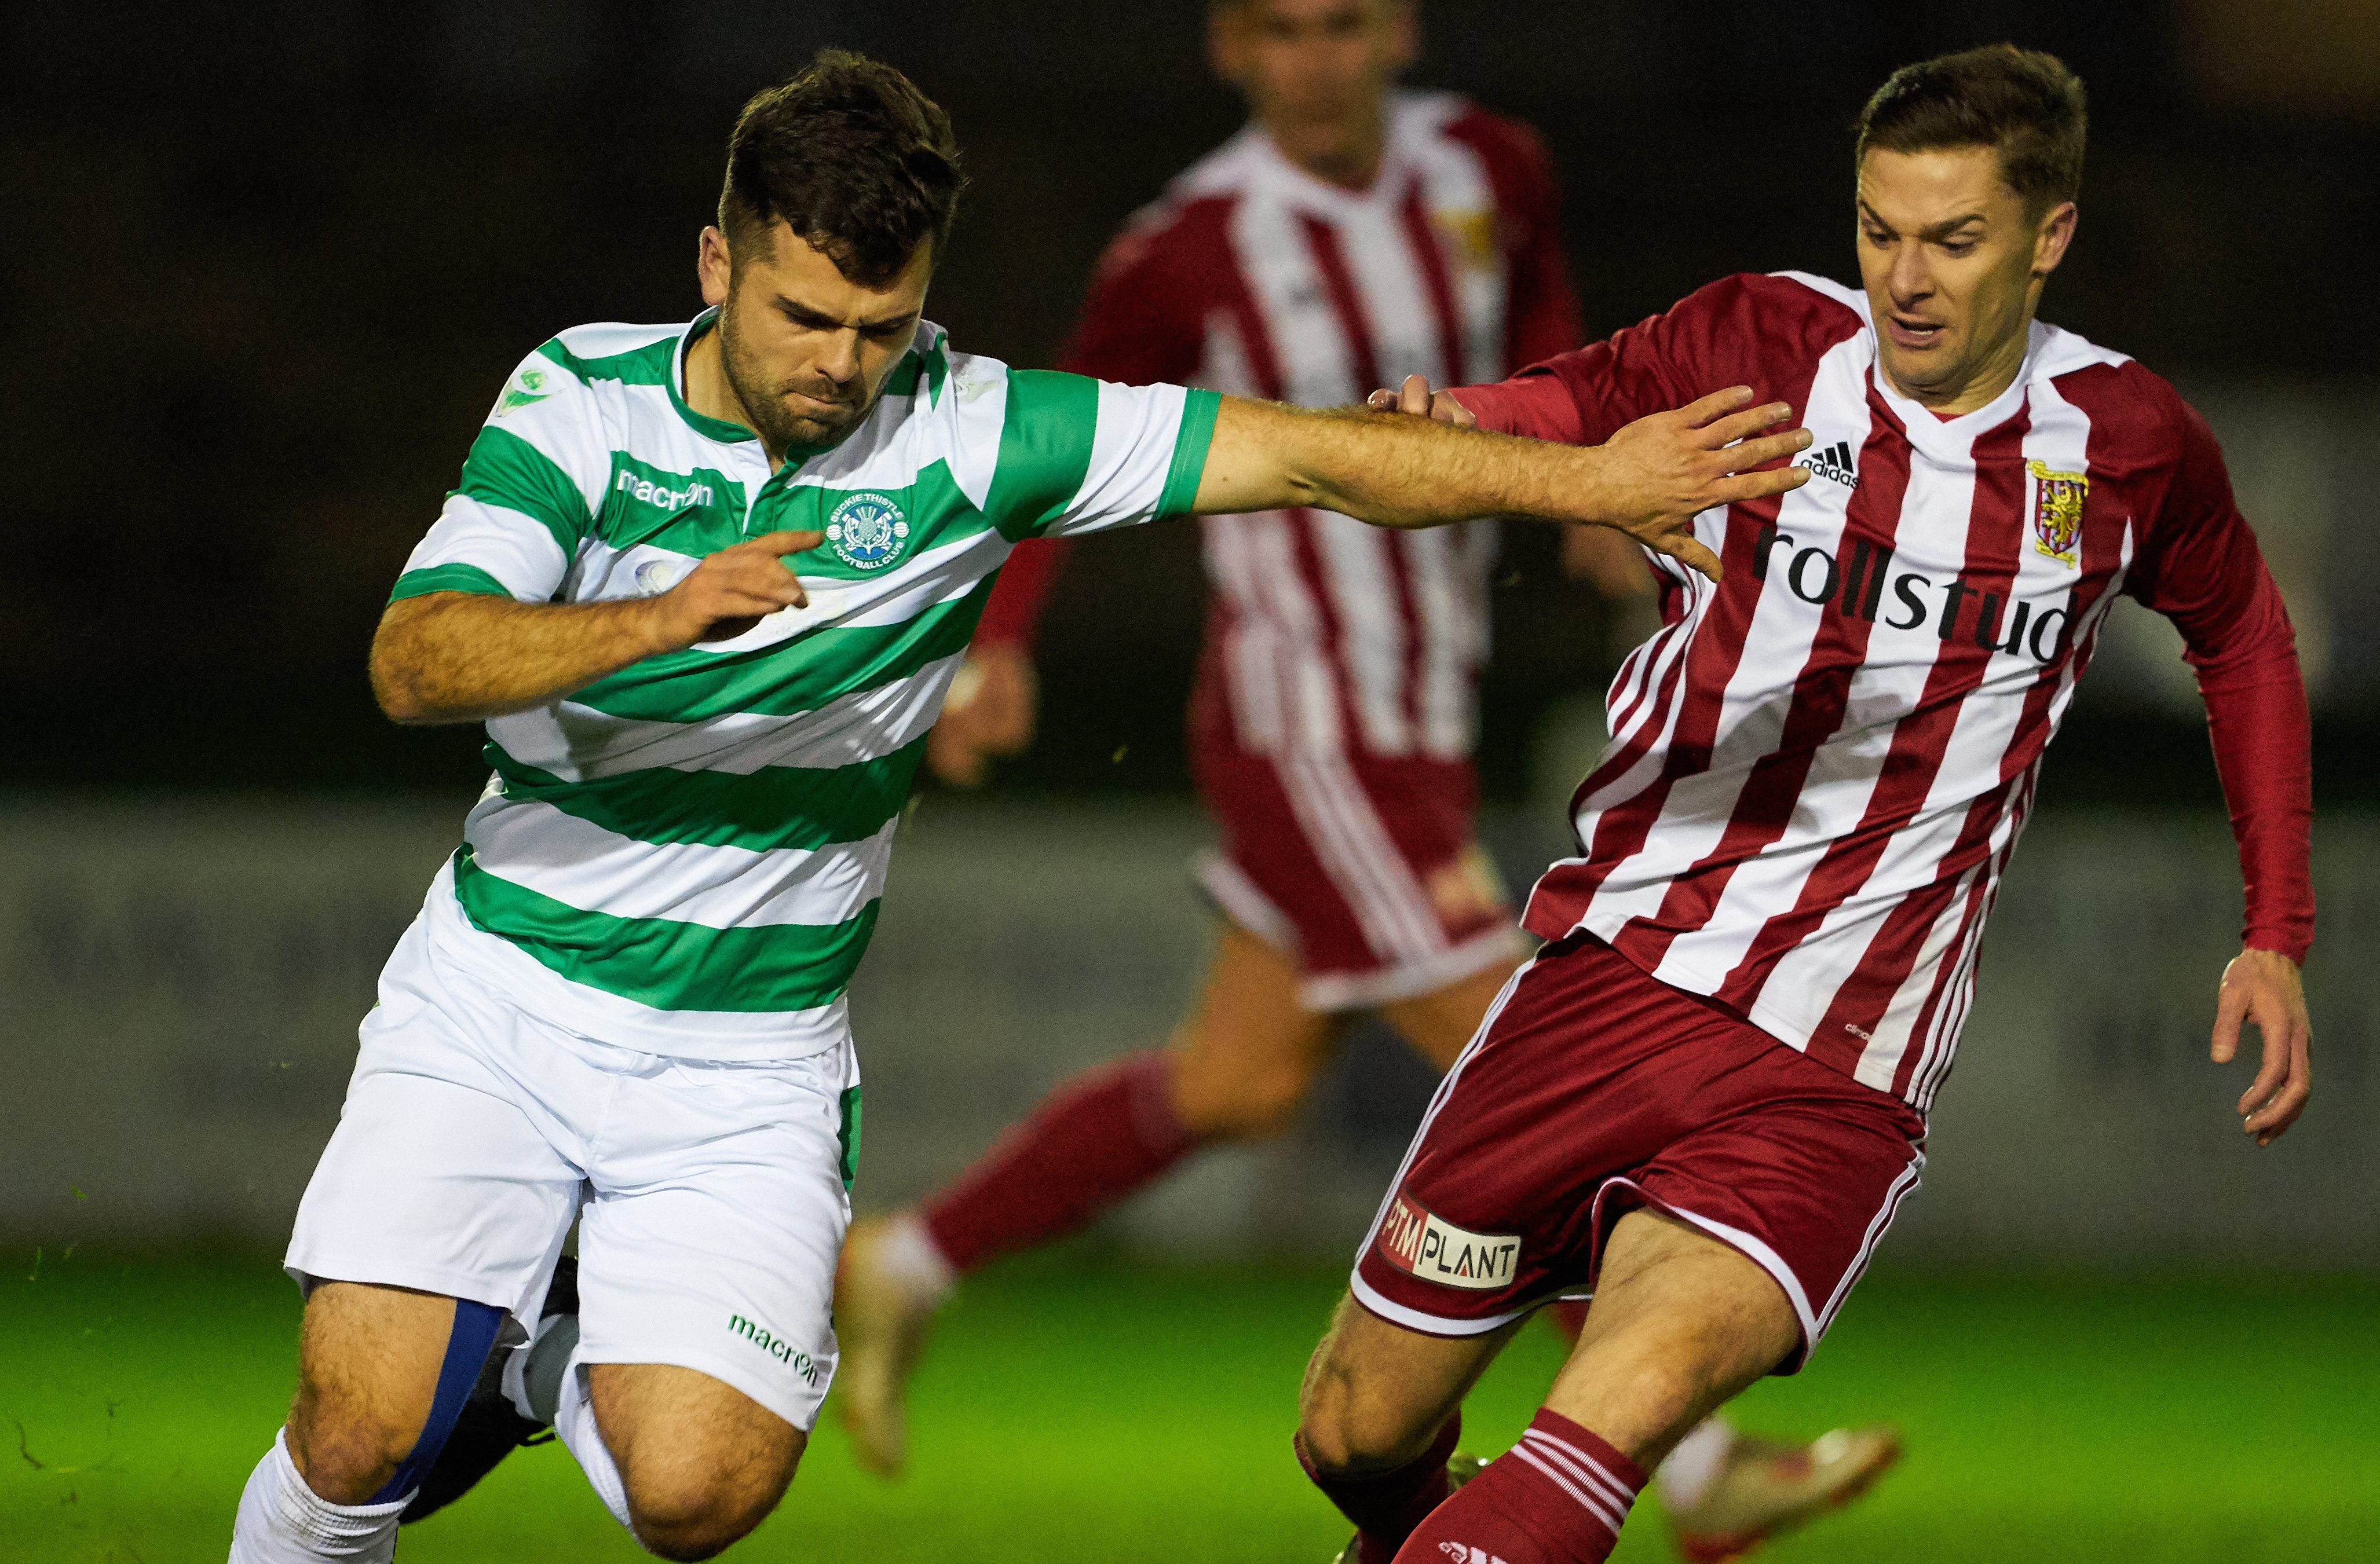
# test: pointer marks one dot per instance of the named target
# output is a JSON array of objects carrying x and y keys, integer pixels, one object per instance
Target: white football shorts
[{"x": 712, "y": 1197}]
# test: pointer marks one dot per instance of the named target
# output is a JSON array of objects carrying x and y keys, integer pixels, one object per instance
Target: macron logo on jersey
[
  {"x": 1834, "y": 462},
  {"x": 644, "y": 490},
  {"x": 1421, "y": 1243}
]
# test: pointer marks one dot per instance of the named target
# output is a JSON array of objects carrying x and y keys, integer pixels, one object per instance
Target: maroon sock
[
  {"x": 1559, "y": 1497},
  {"x": 1094, "y": 1140},
  {"x": 1387, "y": 1506}
]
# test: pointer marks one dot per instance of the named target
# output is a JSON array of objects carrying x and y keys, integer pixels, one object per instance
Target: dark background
[{"x": 266, "y": 264}]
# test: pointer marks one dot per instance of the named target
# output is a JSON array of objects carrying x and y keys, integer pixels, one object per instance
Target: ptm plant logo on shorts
[
  {"x": 800, "y": 1363},
  {"x": 1421, "y": 1243},
  {"x": 868, "y": 531}
]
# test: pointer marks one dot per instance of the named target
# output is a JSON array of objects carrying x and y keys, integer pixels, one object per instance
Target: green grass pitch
[{"x": 1072, "y": 1411}]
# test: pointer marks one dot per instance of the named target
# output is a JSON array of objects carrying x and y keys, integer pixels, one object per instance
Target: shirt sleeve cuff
[
  {"x": 1181, "y": 491},
  {"x": 447, "y": 578}
]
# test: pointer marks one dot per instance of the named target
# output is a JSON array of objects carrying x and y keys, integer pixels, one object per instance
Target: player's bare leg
[
  {"x": 369, "y": 1369},
  {"x": 1237, "y": 1069},
  {"x": 1726, "y": 1492},
  {"x": 1681, "y": 1323},
  {"x": 1439, "y": 1024},
  {"x": 1379, "y": 1413},
  {"x": 701, "y": 1463},
  {"x": 1250, "y": 1053},
  {"x": 368, "y": 1360}
]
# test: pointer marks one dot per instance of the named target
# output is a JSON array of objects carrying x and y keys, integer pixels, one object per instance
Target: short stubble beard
[{"x": 762, "y": 403}]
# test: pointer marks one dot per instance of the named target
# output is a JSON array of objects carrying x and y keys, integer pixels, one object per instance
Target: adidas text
[{"x": 1834, "y": 462}]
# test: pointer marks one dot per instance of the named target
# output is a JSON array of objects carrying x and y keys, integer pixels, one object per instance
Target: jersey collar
[
  {"x": 1951, "y": 441},
  {"x": 701, "y": 423}
]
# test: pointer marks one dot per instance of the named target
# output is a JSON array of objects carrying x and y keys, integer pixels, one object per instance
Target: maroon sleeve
[
  {"x": 1541, "y": 313},
  {"x": 2200, "y": 567},
  {"x": 1144, "y": 322},
  {"x": 1145, "y": 319},
  {"x": 1761, "y": 332},
  {"x": 1014, "y": 610}
]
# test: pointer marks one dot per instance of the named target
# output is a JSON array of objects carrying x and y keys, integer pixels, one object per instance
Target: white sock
[
  {"x": 283, "y": 1521},
  {"x": 1691, "y": 1468},
  {"x": 910, "y": 1253},
  {"x": 574, "y": 1420}
]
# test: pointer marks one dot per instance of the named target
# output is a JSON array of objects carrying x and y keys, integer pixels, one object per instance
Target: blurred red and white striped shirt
[
  {"x": 1820, "y": 765},
  {"x": 1252, "y": 277}
]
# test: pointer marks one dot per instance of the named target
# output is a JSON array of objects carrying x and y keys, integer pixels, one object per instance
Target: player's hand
[
  {"x": 2264, "y": 987},
  {"x": 1664, "y": 470},
  {"x": 1418, "y": 399},
  {"x": 732, "y": 590},
  {"x": 990, "y": 711}
]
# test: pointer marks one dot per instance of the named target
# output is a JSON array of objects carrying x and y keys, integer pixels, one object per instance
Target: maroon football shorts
[
  {"x": 1594, "y": 1089},
  {"x": 1363, "y": 868}
]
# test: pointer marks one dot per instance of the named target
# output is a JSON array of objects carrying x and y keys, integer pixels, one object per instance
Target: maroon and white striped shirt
[
  {"x": 1252, "y": 277},
  {"x": 1820, "y": 766}
]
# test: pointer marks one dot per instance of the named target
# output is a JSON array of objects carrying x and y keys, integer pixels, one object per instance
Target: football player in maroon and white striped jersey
[
  {"x": 1351, "y": 232},
  {"x": 1705, "y": 1096}
]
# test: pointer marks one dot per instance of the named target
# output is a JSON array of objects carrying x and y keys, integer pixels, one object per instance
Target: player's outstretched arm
[
  {"x": 2264, "y": 987},
  {"x": 1650, "y": 480},
  {"x": 464, "y": 657}
]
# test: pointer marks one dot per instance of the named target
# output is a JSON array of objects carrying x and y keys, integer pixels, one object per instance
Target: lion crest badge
[
  {"x": 2057, "y": 511},
  {"x": 868, "y": 531}
]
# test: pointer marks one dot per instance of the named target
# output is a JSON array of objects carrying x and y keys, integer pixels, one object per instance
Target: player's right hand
[
  {"x": 1664, "y": 470},
  {"x": 732, "y": 590},
  {"x": 990, "y": 711}
]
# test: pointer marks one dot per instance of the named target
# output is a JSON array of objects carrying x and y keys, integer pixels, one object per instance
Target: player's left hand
[
  {"x": 988, "y": 712},
  {"x": 2264, "y": 987}
]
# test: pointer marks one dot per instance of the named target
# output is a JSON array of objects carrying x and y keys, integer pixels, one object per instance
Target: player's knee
[
  {"x": 1341, "y": 1431},
  {"x": 343, "y": 1444},
  {"x": 688, "y": 1514},
  {"x": 1342, "y": 1436}
]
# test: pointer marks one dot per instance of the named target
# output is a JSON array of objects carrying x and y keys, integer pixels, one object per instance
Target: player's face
[
  {"x": 804, "y": 348},
  {"x": 1953, "y": 266},
  {"x": 1316, "y": 73}
]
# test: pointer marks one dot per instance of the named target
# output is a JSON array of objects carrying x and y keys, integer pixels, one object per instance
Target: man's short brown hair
[
  {"x": 2023, "y": 104},
  {"x": 849, "y": 153}
]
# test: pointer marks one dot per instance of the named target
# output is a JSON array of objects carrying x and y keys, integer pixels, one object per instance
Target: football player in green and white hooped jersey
[{"x": 707, "y": 584}]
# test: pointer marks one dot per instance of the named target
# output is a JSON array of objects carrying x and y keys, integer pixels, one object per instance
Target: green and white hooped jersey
[{"x": 685, "y": 857}]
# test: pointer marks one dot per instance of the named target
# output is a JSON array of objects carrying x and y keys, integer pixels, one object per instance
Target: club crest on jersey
[
  {"x": 528, "y": 388},
  {"x": 1472, "y": 229},
  {"x": 868, "y": 531},
  {"x": 1421, "y": 1243},
  {"x": 2057, "y": 511}
]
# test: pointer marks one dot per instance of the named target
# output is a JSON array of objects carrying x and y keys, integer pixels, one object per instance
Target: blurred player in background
[
  {"x": 1707, "y": 1095},
  {"x": 1352, "y": 231}
]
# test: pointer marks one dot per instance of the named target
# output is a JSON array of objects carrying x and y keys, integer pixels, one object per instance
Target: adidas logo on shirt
[{"x": 1834, "y": 462}]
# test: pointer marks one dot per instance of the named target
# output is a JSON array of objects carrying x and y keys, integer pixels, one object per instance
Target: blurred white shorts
[{"x": 712, "y": 1197}]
